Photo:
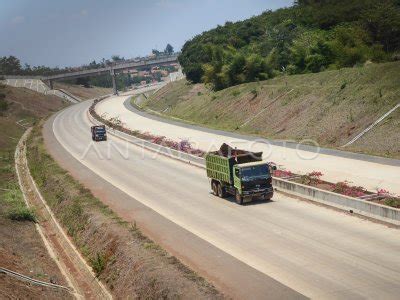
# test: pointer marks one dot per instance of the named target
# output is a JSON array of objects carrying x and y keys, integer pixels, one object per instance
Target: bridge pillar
[{"x": 115, "y": 91}]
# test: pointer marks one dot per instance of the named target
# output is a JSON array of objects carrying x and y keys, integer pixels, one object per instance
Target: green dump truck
[{"x": 239, "y": 173}]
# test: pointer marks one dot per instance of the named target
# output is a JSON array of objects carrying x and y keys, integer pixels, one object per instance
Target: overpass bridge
[{"x": 113, "y": 70}]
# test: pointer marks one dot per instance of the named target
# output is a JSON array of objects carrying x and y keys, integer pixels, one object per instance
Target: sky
[{"x": 74, "y": 32}]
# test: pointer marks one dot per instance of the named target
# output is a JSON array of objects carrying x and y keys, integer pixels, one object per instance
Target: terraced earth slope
[{"x": 329, "y": 107}]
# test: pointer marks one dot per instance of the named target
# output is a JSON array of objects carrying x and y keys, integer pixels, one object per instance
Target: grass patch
[{"x": 10, "y": 195}]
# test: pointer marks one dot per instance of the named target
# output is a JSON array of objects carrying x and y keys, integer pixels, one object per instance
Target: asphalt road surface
[
  {"x": 368, "y": 171},
  {"x": 299, "y": 248}
]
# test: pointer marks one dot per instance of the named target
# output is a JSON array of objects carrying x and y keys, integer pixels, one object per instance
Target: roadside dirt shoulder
[
  {"x": 74, "y": 269},
  {"x": 130, "y": 264}
]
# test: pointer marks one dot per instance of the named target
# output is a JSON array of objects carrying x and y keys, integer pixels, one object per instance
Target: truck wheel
[
  {"x": 214, "y": 188},
  {"x": 221, "y": 191},
  {"x": 268, "y": 197},
  {"x": 239, "y": 198}
]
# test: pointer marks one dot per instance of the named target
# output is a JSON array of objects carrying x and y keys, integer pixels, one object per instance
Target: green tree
[
  {"x": 383, "y": 23},
  {"x": 256, "y": 68},
  {"x": 10, "y": 65},
  {"x": 116, "y": 58},
  {"x": 155, "y": 52},
  {"x": 235, "y": 71},
  {"x": 169, "y": 49}
]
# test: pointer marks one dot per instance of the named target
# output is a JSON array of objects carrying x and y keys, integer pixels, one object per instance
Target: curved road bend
[
  {"x": 372, "y": 172},
  {"x": 285, "y": 248}
]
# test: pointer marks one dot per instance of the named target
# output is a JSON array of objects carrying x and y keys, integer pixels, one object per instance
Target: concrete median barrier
[{"x": 362, "y": 207}]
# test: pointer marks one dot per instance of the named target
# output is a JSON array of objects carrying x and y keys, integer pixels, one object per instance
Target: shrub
[
  {"x": 98, "y": 263},
  {"x": 235, "y": 93},
  {"x": 254, "y": 92},
  {"x": 21, "y": 213},
  {"x": 346, "y": 189},
  {"x": 3, "y": 105},
  {"x": 312, "y": 178},
  {"x": 393, "y": 202},
  {"x": 382, "y": 192}
]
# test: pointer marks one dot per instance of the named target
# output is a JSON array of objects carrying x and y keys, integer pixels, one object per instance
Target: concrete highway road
[
  {"x": 362, "y": 170},
  {"x": 291, "y": 247}
]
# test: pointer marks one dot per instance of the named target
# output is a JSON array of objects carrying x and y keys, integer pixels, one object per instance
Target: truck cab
[
  {"x": 252, "y": 180},
  {"x": 99, "y": 133}
]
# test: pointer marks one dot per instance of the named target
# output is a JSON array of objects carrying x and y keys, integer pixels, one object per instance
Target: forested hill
[{"x": 310, "y": 36}]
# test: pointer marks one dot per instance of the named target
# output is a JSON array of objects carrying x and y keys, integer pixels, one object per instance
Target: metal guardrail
[{"x": 34, "y": 281}]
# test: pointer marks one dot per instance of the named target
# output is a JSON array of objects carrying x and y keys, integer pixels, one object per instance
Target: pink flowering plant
[
  {"x": 346, "y": 189},
  {"x": 312, "y": 178},
  {"x": 282, "y": 173}
]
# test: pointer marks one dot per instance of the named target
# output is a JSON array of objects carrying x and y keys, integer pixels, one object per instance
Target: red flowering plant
[
  {"x": 383, "y": 192},
  {"x": 346, "y": 189},
  {"x": 158, "y": 139},
  {"x": 282, "y": 173},
  {"x": 312, "y": 178}
]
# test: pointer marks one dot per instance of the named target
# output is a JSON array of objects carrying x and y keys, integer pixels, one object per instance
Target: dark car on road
[{"x": 99, "y": 133}]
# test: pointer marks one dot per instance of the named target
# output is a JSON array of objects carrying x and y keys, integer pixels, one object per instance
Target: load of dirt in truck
[{"x": 240, "y": 173}]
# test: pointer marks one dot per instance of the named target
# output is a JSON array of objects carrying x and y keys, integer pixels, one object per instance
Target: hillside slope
[
  {"x": 21, "y": 248},
  {"x": 83, "y": 92},
  {"x": 329, "y": 107}
]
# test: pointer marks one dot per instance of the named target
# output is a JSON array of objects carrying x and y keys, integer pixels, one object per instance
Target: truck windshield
[{"x": 256, "y": 171}]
